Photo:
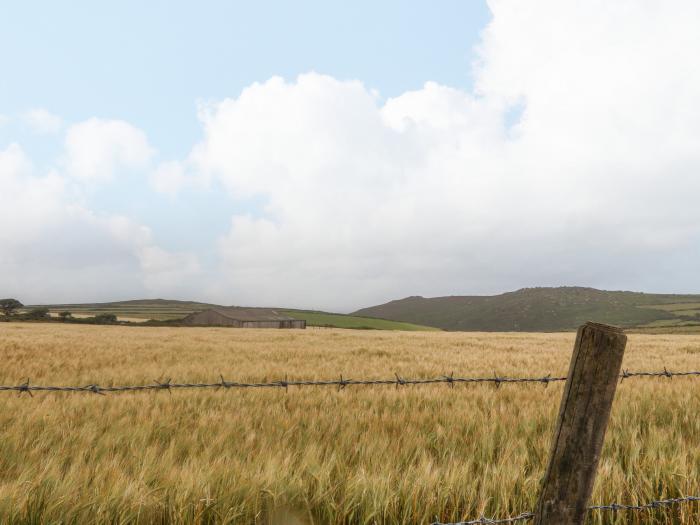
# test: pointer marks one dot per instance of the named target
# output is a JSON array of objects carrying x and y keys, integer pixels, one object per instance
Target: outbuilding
[{"x": 243, "y": 318}]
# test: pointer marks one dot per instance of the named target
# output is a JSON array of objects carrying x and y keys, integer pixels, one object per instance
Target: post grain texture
[{"x": 583, "y": 419}]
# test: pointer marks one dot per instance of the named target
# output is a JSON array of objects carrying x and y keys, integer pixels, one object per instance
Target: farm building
[{"x": 243, "y": 318}]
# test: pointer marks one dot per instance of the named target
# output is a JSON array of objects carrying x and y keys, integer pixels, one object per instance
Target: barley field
[{"x": 362, "y": 455}]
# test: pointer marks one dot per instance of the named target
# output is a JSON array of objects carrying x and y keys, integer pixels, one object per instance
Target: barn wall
[
  {"x": 208, "y": 318},
  {"x": 213, "y": 318},
  {"x": 275, "y": 324}
]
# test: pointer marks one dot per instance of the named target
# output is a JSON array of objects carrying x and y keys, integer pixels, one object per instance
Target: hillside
[
  {"x": 140, "y": 309},
  {"x": 325, "y": 319},
  {"x": 168, "y": 310},
  {"x": 544, "y": 309}
]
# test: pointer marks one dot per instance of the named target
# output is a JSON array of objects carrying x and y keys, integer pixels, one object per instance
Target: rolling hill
[
  {"x": 169, "y": 310},
  {"x": 544, "y": 309}
]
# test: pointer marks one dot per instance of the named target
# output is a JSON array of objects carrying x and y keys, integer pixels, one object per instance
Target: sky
[{"x": 335, "y": 155}]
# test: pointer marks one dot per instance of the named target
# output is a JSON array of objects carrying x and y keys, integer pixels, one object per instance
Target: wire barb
[
  {"x": 342, "y": 383},
  {"x": 164, "y": 385},
  {"x": 95, "y": 389},
  {"x": 24, "y": 387},
  {"x": 497, "y": 380}
]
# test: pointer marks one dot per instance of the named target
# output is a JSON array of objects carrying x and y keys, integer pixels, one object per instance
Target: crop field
[{"x": 317, "y": 455}]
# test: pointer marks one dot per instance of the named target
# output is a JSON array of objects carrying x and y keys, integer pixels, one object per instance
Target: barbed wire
[
  {"x": 613, "y": 507},
  {"x": 340, "y": 383}
]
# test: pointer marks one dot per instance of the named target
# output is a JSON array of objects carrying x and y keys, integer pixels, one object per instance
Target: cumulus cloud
[
  {"x": 54, "y": 249},
  {"x": 436, "y": 191},
  {"x": 43, "y": 122},
  {"x": 168, "y": 272},
  {"x": 168, "y": 178},
  {"x": 96, "y": 149}
]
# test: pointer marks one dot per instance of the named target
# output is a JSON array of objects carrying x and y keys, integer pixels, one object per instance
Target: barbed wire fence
[
  {"x": 612, "y": 507},
  {"x": 340, "y": 383}
]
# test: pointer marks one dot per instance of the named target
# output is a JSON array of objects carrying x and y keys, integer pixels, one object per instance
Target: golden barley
[{"x": 362, "y": 455}]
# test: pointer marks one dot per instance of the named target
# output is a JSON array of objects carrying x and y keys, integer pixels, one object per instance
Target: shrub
[
  {"x": 105, "y": 319},
  {"x": 36, "y": 314},
  {"x": 9, "y": 306}
]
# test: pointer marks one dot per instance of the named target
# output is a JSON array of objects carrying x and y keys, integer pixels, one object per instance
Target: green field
[
  {"x": 157, "y": 309},
  {"x": 351, "y": 321},
  {"x": 166, "y": 310}
]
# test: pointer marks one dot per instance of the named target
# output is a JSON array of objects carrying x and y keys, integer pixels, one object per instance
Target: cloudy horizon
[{"x": 533, "y": 144}]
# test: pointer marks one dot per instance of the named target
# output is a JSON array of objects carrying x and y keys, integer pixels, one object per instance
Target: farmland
[
  {"x": 167, "y": 310},
  {"x": 365, "y": 455}
]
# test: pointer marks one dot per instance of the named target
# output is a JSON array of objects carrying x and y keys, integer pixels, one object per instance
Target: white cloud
[
  {"x": 41, "y": 121},
  {"x": 169, "y": 178},
  {"x": 54, "y": 249},
  {"x": 96, "y": 149},
  {"x": 167, "y": 272},
  {"x": 4, "y": 119},
  {"x": 433, "y": 192}
]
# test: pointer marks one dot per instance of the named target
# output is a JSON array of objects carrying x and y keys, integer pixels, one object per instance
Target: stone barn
[{"x": 243, "y": 318}]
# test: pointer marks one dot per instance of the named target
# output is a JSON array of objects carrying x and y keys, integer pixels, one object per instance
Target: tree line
[{"x": 13, "y": 310}]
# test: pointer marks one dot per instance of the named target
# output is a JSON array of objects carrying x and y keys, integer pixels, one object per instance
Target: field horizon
[
  {"x": 539, "y": 309},
  {"x": 142, "y": 310}
]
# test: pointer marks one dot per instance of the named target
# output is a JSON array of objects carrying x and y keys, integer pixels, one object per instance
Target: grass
[
  {"x": 352, "y": 321},
  {"x": 675, "y": 307},
  {"x": 160, "y": 310},
  {"x": 538, "y": 309},
  {"x": 166, "y": 310},
  {"x": 362, "y": 455}
]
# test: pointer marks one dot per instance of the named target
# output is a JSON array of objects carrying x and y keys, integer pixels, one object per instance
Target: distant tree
[
  {"x": 65, "y": 315},
  {"x": 9, "y": 306},
  {"x": 36, "y": 314},
  {"x": 105, "y": 319}
]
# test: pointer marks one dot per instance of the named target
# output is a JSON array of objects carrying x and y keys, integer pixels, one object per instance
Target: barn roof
[{"x": 252, "y": 314}]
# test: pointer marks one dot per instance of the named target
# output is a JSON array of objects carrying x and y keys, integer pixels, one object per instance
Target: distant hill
[
  {"x": 544, "y": 309},
  {"x": 170, "y": 310},
  {"x": 158, "y": 309}
]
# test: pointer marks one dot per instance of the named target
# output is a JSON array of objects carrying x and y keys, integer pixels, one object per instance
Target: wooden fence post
[{"x": 583, "y": 419}]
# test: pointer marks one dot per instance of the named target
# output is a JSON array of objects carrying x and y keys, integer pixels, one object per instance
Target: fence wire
[
  {"x": 612, "y": 507},
  {"x": 340, "y": 383}
]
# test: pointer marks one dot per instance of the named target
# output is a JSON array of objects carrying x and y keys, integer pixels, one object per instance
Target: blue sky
[
  {"x": 339, "y": 154},
  {"x": 150, "y": 63}
]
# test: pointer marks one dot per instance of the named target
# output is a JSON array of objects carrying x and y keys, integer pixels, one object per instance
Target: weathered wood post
[{"x": 583, "y": 419}]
